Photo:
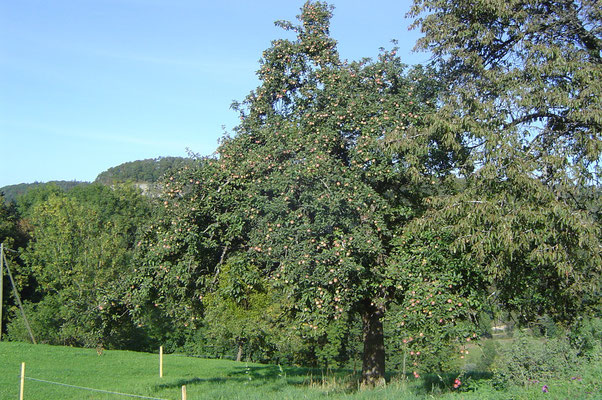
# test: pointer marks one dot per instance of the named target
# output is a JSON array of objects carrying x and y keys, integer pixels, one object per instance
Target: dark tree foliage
[
  {"x": 10, "y": 233},
  {"x": 12, "y": 236},
  {"x": 523, "y": 91}
]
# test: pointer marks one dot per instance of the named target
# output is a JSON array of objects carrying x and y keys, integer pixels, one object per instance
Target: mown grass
[{"x": 138, "y": 373}]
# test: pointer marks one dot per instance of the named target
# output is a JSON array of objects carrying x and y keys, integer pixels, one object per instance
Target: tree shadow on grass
[
  {"x": 265, "y": 375},
  {"x": 340, "y": 381},
  {"x": 267, "y": 372},
  {"x": 276, "y": 372},
  {"x": 192, "y": 381}
]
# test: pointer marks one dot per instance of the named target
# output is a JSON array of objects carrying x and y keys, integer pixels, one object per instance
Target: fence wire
[{"x": 93, "y": 390}]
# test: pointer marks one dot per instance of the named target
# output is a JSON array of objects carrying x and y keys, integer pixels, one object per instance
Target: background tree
[
  {"x": 80, "y": 249},
  {"x": 523, "y": 92},
  {"x": 239, "y": 313},
  {"x": 329, "y": 164},
  {"x": 13, "y": 237}
]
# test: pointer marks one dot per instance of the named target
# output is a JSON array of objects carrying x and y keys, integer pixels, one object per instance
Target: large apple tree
[{"x": 330, "y": 162}]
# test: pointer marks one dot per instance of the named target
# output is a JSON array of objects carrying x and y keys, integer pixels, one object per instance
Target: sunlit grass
[{"x": 138, "y": 373}]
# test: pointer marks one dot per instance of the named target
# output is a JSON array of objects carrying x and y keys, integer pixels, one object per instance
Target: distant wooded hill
[
  {"x": 11, "y": 192},
  {"x": 141, "y": 172}
]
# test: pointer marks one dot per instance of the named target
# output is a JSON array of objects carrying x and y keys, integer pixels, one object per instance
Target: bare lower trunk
[
  {"x": 239, "y": 354},
  {"x": 373, "y": 366}
]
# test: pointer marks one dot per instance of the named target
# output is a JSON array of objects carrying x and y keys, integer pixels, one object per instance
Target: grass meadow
[{"x": 138, "y": 374}]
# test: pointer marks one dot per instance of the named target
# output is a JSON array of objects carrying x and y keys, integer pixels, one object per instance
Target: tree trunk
[
  {"x": 239, "y": 354},
  {"x": 373, "y": 366}
]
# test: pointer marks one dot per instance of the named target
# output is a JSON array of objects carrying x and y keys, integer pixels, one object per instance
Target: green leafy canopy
[
  {"x": 352, "y": 186},
  {"x": 330, "y": 162}
]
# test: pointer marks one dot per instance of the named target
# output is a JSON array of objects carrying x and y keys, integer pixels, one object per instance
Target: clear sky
[{"x": 86, "y": 85}]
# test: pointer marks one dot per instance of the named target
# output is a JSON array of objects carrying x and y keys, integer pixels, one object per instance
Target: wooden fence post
[
  {"x": 22, "y": 381},
  {"x": 161, "y": 362},
  {"x": 183, "y": 392}
]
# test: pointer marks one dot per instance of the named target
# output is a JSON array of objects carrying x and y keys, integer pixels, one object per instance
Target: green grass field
[{"x": 138, "y": 374}]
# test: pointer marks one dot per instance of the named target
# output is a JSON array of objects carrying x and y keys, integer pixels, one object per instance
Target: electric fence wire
[{"x": 93, "y": 390}]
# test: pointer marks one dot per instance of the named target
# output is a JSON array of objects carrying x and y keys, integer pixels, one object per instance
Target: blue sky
[{"x": 86, "y": 85}]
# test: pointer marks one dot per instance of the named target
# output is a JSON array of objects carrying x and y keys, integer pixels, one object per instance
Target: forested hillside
[
  {"x": 140, "y": 172},
  {"x": 11, "y": 192},
  {"x": 149, "y": 171}
]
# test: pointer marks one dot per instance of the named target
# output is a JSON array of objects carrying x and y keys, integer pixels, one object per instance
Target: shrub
[
  {"x": 529, "y": 360},
  {"x": 490, "y": 352},
  {"x": 43, "y": 319},
  {"x": 585, "y": 335},
  {"x": 485, "y": 324}
]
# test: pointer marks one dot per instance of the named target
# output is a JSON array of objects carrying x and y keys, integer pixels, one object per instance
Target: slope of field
[
  {"x": 122, "y": 373},
  {"x": 138, "y": 374}
]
